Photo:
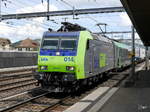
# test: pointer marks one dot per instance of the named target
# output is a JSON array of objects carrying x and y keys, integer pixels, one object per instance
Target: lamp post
[
  {"x": 133, "y": 52},
  {"x": 146, "y": 59},
  {"x": 133, "y": 76}
]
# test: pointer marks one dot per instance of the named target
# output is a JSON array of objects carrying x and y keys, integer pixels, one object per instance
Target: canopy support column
[
  {"x": 146, "y": 59},
  {"x": 133, "y": 55}
]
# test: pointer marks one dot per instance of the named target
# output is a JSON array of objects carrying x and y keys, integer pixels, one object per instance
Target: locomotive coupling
[
  {"x": 68, "y": 77},
  {"x": 38, "y": 75}
]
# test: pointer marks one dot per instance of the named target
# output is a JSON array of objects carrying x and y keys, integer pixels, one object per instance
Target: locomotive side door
[{"x": 91, "y": 56}]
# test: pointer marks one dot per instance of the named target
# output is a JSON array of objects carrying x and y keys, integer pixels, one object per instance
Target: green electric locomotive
[{"x": 68, "y": 60}]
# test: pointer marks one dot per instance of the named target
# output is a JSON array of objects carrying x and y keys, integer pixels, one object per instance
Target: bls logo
[{"x": 44, "y": 59}]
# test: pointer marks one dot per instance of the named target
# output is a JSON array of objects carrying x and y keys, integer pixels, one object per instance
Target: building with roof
[
  {"x": 26, "y": 45},
  {"x": 5, "y": 44}
]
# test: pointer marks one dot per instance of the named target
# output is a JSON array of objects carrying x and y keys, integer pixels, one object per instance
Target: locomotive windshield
[
  {"x": 68, "y": 44},
  {"x": 63, "y": 43},
  {"x": 50, "y": 43}
]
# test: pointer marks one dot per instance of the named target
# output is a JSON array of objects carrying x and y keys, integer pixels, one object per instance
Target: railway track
[
  {"x": 7, "y": 74},
  {"x": 46, "y": 104},
  {"x": 41, "y": 103},
  {"x": 11, "y": 108},
  {"x": 18, "y": 86},
  {"x": 17, "y": 89},
  {"x": 16, "y": 82},
  {"x": 6, "y": 77},
  {"x": 8, "y": 83},
  {"x": 38, "y": 103}
]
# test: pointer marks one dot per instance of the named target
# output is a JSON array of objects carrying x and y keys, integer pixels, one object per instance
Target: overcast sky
[{"x": 33, "y": 28}]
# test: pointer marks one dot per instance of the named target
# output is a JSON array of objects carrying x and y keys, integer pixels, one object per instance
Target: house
[
  {"x": 5, "y": 44},
  {"x": 26, "y": 45}
]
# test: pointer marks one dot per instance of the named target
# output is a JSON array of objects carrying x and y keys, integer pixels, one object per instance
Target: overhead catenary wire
[
  {"x": 33, "y": 2},
  {"x": 86, "y": 16},
  {"x": 15, "y": 29},
  {"x": 16, "y": 5},
  {"x": 11, "y": 6},
  {"x": 24, "y": 3},
  {"x": 66, "y": 6}
]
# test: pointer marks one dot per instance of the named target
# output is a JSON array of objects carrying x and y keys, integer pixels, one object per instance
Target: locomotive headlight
[
  {"x": 70, "y": 68},
  {"x": 43, "y": 67},
  {"x": 57, "y": 53}
]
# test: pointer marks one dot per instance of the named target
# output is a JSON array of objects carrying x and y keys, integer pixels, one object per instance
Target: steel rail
[
  {"x": 55, "y": 104},
  {"x": 17, "y": 82},
  {"x": 8, "y": 89},
  {"x": 22, "y": 103},
  {"x": 16, "y": 106},
  {"x": 17, "y": 69},
  {"x": 12, "y": 77}
]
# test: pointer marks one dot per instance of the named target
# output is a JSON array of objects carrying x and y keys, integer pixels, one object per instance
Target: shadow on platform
[
  {"x": 131, "y": 99},
  {"x": 141, "y": 80}
]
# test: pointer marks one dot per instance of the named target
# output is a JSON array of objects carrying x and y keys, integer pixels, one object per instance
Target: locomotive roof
[
  {"x": 55, "y": 34},
  {"x": 121, "y": 45},
  {"x": 101, "y": 38}
]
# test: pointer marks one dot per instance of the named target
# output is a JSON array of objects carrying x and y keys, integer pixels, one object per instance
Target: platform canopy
[{"x": 139, "y": 13}]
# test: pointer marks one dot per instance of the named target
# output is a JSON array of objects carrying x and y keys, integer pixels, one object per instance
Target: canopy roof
[{"x": 139, "y": 13}]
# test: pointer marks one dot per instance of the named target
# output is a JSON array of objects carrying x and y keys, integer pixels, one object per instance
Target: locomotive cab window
[
  {"x": 50, "y": 43},
  {"x": 59, "y": 42},
  {"x": 68, "y": 44}
]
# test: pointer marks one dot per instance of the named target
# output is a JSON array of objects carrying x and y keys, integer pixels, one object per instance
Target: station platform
[
  {"x": 134, "y": 98},
  {"x": 130, "y": 99}
]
